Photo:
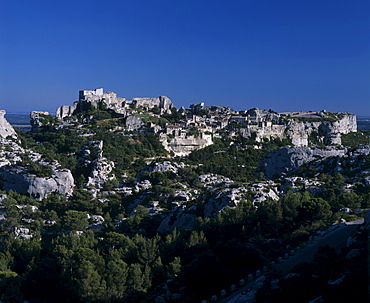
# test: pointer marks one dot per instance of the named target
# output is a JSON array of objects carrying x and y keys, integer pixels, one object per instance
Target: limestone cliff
[
  {"x": 66, "y": 110},
  {"x": 326, "y": 127},
  {"x": 182, "y": 146},
  {"x": 329, "y": 132},
  {"x": 5, "y": 128},
  {"x": 286, "y": 159}
]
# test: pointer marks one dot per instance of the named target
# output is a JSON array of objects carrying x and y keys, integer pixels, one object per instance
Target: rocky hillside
[
  {"x": 25, "y": 171},
  {"x": 183, "y": 131},
  {"x": 121, "y": 200}
]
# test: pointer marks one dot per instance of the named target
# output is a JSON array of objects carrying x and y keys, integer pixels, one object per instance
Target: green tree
[
  {"x": 269, "y": 215},
  {"x": 135, "y": 279},
  {"x": 90, "y": 285},
  {"x": 116, "y": 279},
  {"x": 74, "y": 220},
  {"x": 10, "y": 286},
  {"x": 140, "y": 212},
  {"x": 290, "y": 204},
  {"x": 148, "y": 251},
  {"x": 196, "y": 239},
  {"x": 174, "y": 268}
]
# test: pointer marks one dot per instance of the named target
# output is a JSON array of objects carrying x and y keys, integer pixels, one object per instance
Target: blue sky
[{"x": 272, "y": 54}]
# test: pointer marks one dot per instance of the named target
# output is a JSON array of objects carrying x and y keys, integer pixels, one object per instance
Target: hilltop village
[
  {"x": 195, "y": 128},
  {"x": 139, "y": 201}
]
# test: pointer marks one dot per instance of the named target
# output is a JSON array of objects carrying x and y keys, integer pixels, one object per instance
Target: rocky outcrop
[
  {"x": 66, "y": 110},
  {"x": 286, "y": 159},
  {"x": 328, "y": 132},
  {"x": 162, "y": 102},
  {"x": 100, "y": 173},
  {"x": 98, "y": 98},
  {"x": 35, "y": 120},
  {"x": 161, "y": 167},
  {"x": 18, "y": 179},
  {"x": 184, "y": 146},
  {"x": 102, "y": 168},
  {"x": 6, "y": 129},
  {"x": 229, "y": 197},
  {"x": 326, "y": 127},
  {"x": 362, "y": 150},
  {"x": 134, "y": 123}
]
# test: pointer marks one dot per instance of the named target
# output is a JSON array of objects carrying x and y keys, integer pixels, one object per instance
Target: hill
[{"x": 117, "y": 200}]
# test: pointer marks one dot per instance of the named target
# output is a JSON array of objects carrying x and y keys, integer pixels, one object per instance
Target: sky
[{"x": 272, "y": 54}]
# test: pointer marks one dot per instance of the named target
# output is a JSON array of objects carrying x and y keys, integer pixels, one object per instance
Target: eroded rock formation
[
  {"x": 18, "y": 179},
  {"x": 287, "y": 159},
  {"x": 183, "y": 146},
  {"x": 35, "y": 120},
  {"x": 5, "y": 128},
  {"x": 16, "y": 176}
]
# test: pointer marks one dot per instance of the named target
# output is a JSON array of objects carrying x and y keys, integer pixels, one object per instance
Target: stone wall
[{"x": 117, "y": 104}]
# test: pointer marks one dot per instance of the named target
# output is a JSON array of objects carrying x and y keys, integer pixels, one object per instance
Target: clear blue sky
[{"x": 272, "y": 54}]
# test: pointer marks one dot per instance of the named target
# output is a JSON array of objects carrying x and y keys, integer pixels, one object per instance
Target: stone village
[{"x": 209, "y": 121}]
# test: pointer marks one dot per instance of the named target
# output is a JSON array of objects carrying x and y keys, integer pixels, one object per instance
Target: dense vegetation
[{"x": 127, "y": 260}]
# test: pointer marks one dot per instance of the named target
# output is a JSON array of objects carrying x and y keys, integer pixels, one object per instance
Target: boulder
[
  {"x": 18, "y": 179},
  {"x": 161, "y": 167}
]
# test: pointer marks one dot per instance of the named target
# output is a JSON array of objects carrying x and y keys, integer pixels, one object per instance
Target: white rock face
[
  {"x": 17, "y": 179},
  {"x": 298, "y": 126},
  {"x": 102, "y": 168},
  {"x": 101, "y": 172},
  {"x": 331, "y": 131},
  {"x": 184, "y": 146},
  {"x": 286, "y": 159},
  {"x": 5, "y": 128},
  {"x": 66, "y": 110},
  {"x": 35, "y": 119},
  {"x": 161, "y": 167},
  {"x": 134, "y": 123},
  {"x": 230, "y": 197},
  {"x": 363, "y": 150},
  {"x": 210, "y": 180}
]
